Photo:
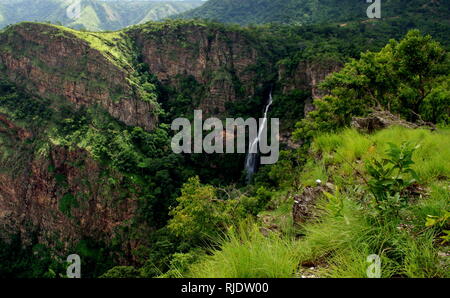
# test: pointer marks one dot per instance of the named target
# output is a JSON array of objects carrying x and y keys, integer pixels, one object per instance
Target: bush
[
  {"x": 409, "y": 77},
  {"x": 200, "y": 214},
  {"x": 389, "y": 178}
]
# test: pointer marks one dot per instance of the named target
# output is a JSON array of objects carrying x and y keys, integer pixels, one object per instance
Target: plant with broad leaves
[
  {"x": 440, "y": 222},
  {"x": 391, "y": 176}
]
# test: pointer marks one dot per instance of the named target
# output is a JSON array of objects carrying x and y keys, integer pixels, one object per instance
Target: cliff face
[
  {"x": 60, "y": 194},
  {"x": 219, "y": 60},
  {"x": 49, "y": 62},
  {"x": 62, "y": 197}
]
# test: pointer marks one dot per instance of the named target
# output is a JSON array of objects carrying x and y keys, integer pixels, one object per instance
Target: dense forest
[{"x": 310, "y": 11}]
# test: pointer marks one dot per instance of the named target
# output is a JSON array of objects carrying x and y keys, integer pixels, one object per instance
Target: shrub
[
  {"x": 409, "y": 77},
  {"x": 389, "y": 178},
  {"x": 199, "y": 214}
]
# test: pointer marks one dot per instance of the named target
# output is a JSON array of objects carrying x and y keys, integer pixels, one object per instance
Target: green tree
[
  {"x": 199, "y": 214},
  {"x": 409, "y": 78}
]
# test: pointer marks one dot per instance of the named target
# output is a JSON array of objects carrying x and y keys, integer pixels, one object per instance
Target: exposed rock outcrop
[
  {"x": 305, "y": 204},
  {"x": 382, "y": 119},
  {"x": 219, "y": 60},
  {"x": 9, "y": 128},
  {"x": 63, "y": 196}
]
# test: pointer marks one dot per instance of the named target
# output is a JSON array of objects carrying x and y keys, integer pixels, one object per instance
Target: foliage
[
  {"x": 95, "y": 255},
  {"x": 409, "y": 77},
  {"x": 180, "y": 263},
  {"x": 21, "y": 107},
  {"x": 303, "y": 12},
  {"x": 246, "y": 253},
  {"x": 440, "y": 223},
  {"x": 96, "y": 15},
  {"x": 66, "y": 203},
  {"x": 199, "y": 214},
  {"x": 338, "y": 242},
  {"x": 28, "y": 261},
  {"x": 290, "y": 108}
]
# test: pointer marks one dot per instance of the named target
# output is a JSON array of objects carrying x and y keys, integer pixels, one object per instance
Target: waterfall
[{"x": 251, "y": 160}]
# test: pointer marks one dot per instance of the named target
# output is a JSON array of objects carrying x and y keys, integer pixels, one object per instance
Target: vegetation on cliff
[{"x": 305, "y": 12}]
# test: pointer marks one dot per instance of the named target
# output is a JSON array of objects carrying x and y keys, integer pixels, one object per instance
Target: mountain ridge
[
  {"x": 95, "y": 15},
  {"x": 245, "y": 12}
]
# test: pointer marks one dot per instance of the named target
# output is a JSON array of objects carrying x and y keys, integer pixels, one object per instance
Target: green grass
[
  {"x": 113, "y": 45},
  {"x": 350, "y": 147},
  {"x": 246, "y": 253}
]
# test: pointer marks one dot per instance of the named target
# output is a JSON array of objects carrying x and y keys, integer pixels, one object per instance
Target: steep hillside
[
  {"x": 85, "y": 153},
  {"x": 327, "y": 229},
  {"x": 308, "y": 11},
  {"x": 96, "y": 15},
  {"x": 84, "y": 157},
  {"x": 56, "y": 62},
  {"x": 219, "y": 61},
  {"x": 55, "y": 83}
]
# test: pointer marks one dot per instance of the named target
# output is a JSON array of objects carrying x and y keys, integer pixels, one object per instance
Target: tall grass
[
  {"x": 338, "y": 243},
  {"x": 350, "y": 147},
  {"x": 246, "y": 253}
]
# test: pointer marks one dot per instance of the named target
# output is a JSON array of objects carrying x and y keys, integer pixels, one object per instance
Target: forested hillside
[{"x": 310, "y": 11}]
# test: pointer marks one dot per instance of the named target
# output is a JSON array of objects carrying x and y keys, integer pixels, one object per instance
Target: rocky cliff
[
  {"x": 52, "y": 62},
  {"x": 221, "y": 60},
  {"x": 62, "y": 199},
  {"x": 59, "y": 193}
]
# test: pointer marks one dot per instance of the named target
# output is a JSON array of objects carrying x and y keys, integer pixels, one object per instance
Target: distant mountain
[
  {"x": 95, "y": 15},
  {"x": 309, "y": 11}
]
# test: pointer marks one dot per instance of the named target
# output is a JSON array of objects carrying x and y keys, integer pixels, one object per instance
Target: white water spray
[{"x": 251, "y": 161}]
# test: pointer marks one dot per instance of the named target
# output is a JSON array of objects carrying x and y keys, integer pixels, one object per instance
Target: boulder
[{"x": 379, "y": 120}]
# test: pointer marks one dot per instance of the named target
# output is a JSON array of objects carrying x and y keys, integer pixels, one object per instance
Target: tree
[
  {"x": 199, "y": 214},
  {"x": 409, "y": 78},
  {"x": 418, "y": 63}
]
